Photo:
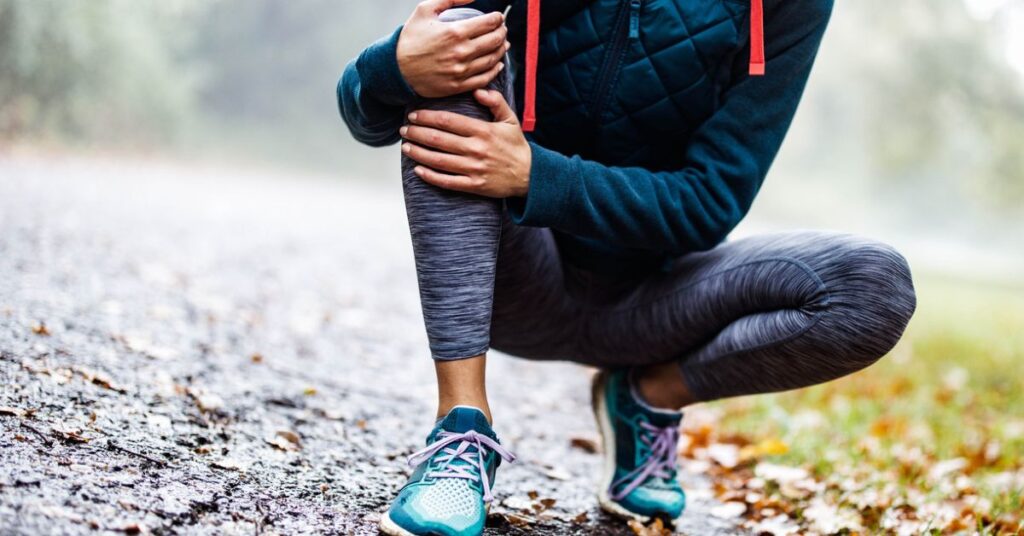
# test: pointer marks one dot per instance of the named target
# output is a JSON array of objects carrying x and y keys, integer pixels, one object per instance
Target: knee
[{"x": 872, "y": 298}]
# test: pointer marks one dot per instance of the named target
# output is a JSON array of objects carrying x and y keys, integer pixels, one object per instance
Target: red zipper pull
[
  {"x": 756, "y": 38},
  {"x": 530, "y": 84}
]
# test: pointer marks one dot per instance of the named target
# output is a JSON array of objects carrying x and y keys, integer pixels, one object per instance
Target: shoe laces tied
[
  {"x": 451, "y": 446},
  {"x": 660, "y": 463}
]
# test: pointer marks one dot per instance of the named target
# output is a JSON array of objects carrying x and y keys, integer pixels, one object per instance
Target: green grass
[{"x": 954, "y": 387}]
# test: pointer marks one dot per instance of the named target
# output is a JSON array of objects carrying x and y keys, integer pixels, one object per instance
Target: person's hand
[
  {"x": 438, "y": 59},
  {"x": 470, "y": 155}
]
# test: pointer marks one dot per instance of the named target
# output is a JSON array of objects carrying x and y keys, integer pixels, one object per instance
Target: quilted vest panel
[{"x": 627, "y": 82}]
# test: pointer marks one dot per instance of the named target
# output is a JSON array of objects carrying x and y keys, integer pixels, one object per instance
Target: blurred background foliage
[{"x": 911, "y": 101}]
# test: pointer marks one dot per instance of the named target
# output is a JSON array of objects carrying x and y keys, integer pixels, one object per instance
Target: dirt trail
[{"x": 210, "y": 352}]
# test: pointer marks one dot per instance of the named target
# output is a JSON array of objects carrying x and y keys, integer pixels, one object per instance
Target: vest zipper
[
  {"x": 634, "y": 19},
  {"x": 624, "y": 19}
]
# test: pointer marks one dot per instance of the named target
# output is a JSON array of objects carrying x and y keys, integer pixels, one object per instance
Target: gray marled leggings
[{"x": 761, "y": 314}]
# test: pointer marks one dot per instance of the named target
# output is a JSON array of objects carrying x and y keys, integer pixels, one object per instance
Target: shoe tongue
[
  {"x": 663, "y": 418},
  {"x": 462, "y": 419}
]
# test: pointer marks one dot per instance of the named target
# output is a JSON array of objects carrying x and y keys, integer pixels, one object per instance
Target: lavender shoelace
[
  {"x": 473, "y": 468},
  {"x": 660, "y": 464}
]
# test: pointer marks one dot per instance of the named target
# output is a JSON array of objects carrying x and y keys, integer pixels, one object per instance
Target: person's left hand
[{"x": 470, "y": 155}]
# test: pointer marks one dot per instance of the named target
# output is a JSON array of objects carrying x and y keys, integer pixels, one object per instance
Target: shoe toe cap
[
  {"x": 436, "y": 511},
  {"x": 656, "y": 502}
]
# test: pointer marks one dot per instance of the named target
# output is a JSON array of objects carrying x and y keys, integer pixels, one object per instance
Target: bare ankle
[
  {"x": 462, "y": 383},
  {"x": 663, "y": 386}
]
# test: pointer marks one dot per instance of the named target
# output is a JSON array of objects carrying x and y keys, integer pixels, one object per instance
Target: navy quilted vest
[{"x": 626, "y": 82}]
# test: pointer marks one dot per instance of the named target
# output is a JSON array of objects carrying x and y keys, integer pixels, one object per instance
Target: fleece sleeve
[
  {"x": 726, "y": 160},
  {"x": 372, "y": 94}
]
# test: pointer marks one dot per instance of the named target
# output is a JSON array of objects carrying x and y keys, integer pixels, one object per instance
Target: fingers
[
  {"x": 437, "y": 6},
  {"x": 480, "y": 80},
  {"x": 460, "y": 183},
  {"x": 449, "y": 122},
  {"x": 497, "y": 104},
  {"x": 460, "y": 165},
  {"x": 438, "y": 139},
  {"x": 484, "y": 64},
  {"x": 479, "y": 25},
  {"x": 488, "y": 42}
]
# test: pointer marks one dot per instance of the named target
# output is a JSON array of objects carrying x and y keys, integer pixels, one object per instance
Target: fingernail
[
  {"x": 403, "y": 130},
  {"x": 501, "y": 66},
  {"x": 406, "y": 147},
  {"x": 412, "y": 116},
  {"x": 417, "y": 170}
]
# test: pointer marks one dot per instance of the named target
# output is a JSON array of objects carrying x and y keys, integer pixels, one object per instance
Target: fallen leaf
[
  {"x": 41, "y": 329},
  {"x": 228, "y": 464},
  {"x": 656, "y": 528},
  {"x": 557, "y": 473},
  {"x": 206, "y": 402},
  {"x": 586, "y": 444},
  {"x": 256, "y": 358},
  {"x": 767, "y": 447},
  {"x": 69, "y": 435},
  {"x": 725, "y": 454},
  {"x": 12, "y": 412},
  {"x": 100, "y": 379},
  {"x": 729, "y": 510},
  {"x": 285, "y": 440},
  {"x": 780, "y": 473}
]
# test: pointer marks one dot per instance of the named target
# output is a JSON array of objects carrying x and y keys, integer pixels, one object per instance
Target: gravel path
[{"x": 220, "y": 352}]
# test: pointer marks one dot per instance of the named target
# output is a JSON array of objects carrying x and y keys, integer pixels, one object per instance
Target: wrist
[{"x": 524, "y": 172}]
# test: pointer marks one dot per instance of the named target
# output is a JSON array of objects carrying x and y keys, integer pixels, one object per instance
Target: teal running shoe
[
  {"x": 640, "y": 448},
  {"x": 449, "y": 492}
]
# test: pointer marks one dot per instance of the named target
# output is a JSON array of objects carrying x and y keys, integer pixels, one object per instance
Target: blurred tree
[
  {"x": 102, "y": 70},
  {"x": 919, "y": 98},
  {"x": 945, "y": 100}
]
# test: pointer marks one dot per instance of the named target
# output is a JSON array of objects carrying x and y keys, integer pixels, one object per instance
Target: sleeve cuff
[
  {"x": 551, "y": 180},
  {"x": 379, "y": 72}
]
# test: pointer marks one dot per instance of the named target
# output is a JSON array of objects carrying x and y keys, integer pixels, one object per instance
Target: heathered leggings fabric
[{"x": 756, "y": 315}]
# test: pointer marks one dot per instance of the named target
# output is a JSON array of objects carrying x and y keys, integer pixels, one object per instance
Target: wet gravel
[{"x": 203, "y": 351}]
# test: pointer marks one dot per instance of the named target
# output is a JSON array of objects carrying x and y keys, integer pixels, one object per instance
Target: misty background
[{"x": 912, "y": 127}]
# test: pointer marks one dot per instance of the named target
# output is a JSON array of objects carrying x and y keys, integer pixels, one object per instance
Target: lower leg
[
  {"x": 461, "y": 383},
  {"x": 455, "y": 240}
]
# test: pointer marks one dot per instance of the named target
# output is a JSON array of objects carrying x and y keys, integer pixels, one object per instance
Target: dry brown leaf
[
  {"x": 100, "y": 379},
  {"x": 656, "y": 528},
  {"x": 280, "y": 444},
  {"x": 69, "y": 435},
  {"x": 586, "y": 444},
  {"x": 41, "y": 329},
  {"x": 228, "y": 464},
  {"x": 12, "y": 412},
  {"x": 516, "y": 520}
]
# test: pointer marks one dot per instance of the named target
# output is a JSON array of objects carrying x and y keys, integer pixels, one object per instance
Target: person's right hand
[{"x": 438, "y": 59}]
